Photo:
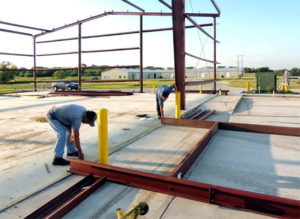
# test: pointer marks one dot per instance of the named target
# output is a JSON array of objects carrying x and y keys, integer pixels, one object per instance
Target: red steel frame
[
  {"x": 178, "y": 14},
  {"x": 176, "y": 186}
]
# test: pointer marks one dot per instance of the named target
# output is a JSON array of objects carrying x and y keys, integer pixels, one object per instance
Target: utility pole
[
  {"x": 240, "y": 57},
  {"x": 238, "y": 64}
]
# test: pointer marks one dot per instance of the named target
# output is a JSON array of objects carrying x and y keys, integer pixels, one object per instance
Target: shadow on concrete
[{"x": 245, "y": 105}]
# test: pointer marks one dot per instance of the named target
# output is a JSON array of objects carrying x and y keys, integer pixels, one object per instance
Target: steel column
[
  {"x": 179, "y": 46},
  {"x": 141, "y": 54},
  {"x": 215, "y": 55},
  {"x": 34, "y": 63},
  {"x": 79, "y": 56}
]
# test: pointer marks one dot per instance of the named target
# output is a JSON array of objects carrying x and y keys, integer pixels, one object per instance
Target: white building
[{"x": 202, "y": 73}]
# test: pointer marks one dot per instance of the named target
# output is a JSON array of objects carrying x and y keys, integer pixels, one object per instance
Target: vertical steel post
[
  {"x": 141, "y": 53},
  {"x": 79, "y": 56},
  {"x": 34, "y": 62},
  {"x": 215, "y": 55},
  {"x": 179, "y": 46}
]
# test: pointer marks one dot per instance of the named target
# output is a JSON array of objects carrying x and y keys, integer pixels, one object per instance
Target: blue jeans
[{"x": 63, "y": 135}]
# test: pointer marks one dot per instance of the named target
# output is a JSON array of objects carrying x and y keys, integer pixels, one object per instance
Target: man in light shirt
[{"x": 66, "y": 121}]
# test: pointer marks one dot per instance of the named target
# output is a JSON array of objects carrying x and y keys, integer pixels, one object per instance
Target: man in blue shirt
[
  {"x": 66, "y": 121},
  {"x": 162, "y": 93}
]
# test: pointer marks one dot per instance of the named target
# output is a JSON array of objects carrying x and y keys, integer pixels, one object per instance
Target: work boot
[
  {"x": 73, "y": 154},
  {"x": 59, "y": 161}
]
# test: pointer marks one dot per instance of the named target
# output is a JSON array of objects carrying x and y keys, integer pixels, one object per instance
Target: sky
[{"x": 252, "y": 33}]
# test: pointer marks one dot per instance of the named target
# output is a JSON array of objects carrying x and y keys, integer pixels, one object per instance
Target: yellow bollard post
[
  {"x": 286, "y": 87},
  {"x": 154, "y": 87},
  {"x": 177, "y": 113},
  {"x": 200, "y": 88},
  {"x": 103, "y": 137},
  {"x": 248, "y": 86}
]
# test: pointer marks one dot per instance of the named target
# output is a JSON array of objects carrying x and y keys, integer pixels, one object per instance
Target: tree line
[
  {"x": 267, "y": 69},
  {"x": 60, "y": 74}
]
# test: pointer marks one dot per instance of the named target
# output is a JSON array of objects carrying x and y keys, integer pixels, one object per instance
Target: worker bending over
[
  {"x": 162, "y": 93},
  {"x": 66, "y": 121}
]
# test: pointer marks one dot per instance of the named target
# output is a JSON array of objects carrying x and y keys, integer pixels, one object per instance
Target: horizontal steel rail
[
  {"x": 121, "y": 13},
  {"x": 89, "y": 51},
  {"x": 192, "y": 156},
  {"x": 66, "y": 201},
  {"x": 91, "y": 93},
  {"x": 266, "y": 129},
  {"x": 15, "y": 54},
  {"x": 23, "y": 26},
  {"x": 192, "y": 83},
  {"x": 243, "y": 127},
  {"x": 120, "y": 33},
  {"x": 218, "y": 195},
  {"x": 58, "y": 69},
  {"x": 15, "y": 32}
]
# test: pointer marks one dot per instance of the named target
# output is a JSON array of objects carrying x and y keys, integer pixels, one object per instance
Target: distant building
[{"x": 201, "y": 73}]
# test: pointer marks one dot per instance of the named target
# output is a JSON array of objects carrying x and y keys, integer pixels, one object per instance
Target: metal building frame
[
  {"x": 98, "y": 174},
  {"x": 178, "y": 14}
]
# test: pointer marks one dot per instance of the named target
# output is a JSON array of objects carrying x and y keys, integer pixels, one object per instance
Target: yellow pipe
[
  {"x": 103, "y": 137},
  {"x": 177, "y": 113},
  {"x": 154, "y": 87},
  {"x": 248, "y": 86},
  {"x": 200, "y": 88},
  {"x": 120, "y": 213},
  {"x": 286, "y": 87}
]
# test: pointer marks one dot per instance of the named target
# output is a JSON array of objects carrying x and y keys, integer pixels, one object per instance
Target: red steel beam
[
  {"x": 133, "y": 5},
  {"x": 218, "y": 195},
  {"x": 15, "y": 54},
  {"x": 266, "y": 129},
  {"x": 215, "y": 53},
  {"x": 196, "y": 57},
  {"x": 66, "y": 201},
  {"x": 166, "y": 4},
  {"x": 90, "y": 93},
  {"x": 191, "y": 83},
  {"x": 243, "y": 127},
  {"x": 178, "y": 7},
  {"x": 91, "y": 67},
  {"x": 22, "y": 26},
  {"x": 121, "y": 33},
  {"x": 89, "y": 51},
  {"x": 188, "y": 123},
  {"x": 192, "y": 156},
  {"x": 141, "y": 54},
  {"x": 201, "y": 29},
  {"x": 208, "y": 114},
  {"x": 64, "y": 209},
  {"x": 15, "y": 32}
]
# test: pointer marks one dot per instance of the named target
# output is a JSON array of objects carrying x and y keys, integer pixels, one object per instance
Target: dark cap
[{"x": 92, "y": 117}]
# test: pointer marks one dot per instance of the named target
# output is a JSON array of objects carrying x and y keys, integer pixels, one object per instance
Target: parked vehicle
[{"x": 64, "y": 85}]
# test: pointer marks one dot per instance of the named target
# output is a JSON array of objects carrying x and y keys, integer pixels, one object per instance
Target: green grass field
[{"x": 148, "y": 83}]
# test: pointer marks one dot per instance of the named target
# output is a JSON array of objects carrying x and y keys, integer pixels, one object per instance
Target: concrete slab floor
[
  {"x": 27, "y": 145},
  {"x": 104, "y": 202}
]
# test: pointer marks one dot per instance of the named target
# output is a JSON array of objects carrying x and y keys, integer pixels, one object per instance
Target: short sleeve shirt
[
  {"x": 69, "y": 115},
  {"x": 158, "y": 93}
]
